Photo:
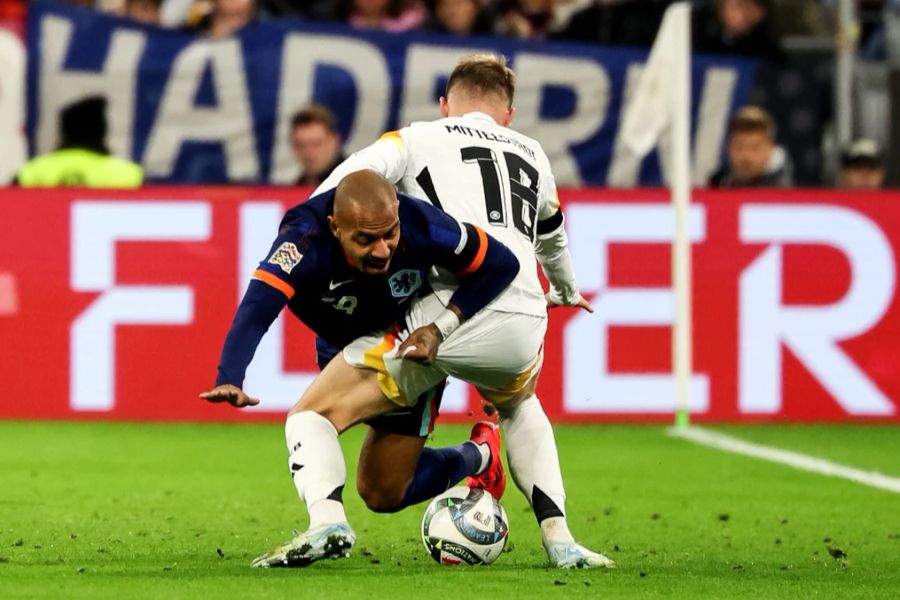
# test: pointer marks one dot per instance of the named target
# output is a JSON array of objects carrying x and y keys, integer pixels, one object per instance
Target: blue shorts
[{"x": 417, "y": 420}]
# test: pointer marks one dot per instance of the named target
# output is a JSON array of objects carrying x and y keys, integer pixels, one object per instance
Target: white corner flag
[
  {"x": 662, "y": 103},
  {"x": 663, "y": 90}
]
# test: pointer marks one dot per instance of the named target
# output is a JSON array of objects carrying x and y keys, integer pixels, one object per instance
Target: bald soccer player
[{"x": 347, "y": 263}]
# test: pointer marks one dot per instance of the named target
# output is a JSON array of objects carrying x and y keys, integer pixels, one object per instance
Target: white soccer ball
[{"x": 465, "y": 526}]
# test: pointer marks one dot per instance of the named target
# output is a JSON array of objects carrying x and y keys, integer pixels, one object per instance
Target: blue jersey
[
  {"x": 306, "y": 269},
  {"x": 336, "y": 300}
]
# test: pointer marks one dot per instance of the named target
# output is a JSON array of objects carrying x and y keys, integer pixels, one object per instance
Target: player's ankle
[
  {"x": 485, "y": 450},
  {"x": 326, "y": 512},
  {"x": 556, "y": 530}
]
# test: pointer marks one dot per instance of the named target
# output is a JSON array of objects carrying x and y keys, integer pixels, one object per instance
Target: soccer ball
[{"x": 464, "y": 526}]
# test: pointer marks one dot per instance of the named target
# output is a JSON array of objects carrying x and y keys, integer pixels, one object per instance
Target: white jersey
[{"x": 481, "y": 173}]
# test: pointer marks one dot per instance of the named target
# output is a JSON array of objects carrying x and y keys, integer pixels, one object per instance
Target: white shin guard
[
  {"x": 317, "y": 466},
  {"x": 534, "y": 465}
]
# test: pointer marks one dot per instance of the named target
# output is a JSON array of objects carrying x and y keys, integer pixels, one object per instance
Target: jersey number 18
[{"x": 520, "y": 193}]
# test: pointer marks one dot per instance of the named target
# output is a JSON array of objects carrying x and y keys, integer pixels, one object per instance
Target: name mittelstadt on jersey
[{"x": 491, "y": 137}]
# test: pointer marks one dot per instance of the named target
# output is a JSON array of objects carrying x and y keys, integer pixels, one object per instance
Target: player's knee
[
  {"x": 508, "y": 409},
  {"x": 338, "y": 418},
  {"x": 379, "y": 498}
]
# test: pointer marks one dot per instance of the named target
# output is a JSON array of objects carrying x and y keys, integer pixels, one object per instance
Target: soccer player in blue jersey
[{"x": 346, "y": 263}]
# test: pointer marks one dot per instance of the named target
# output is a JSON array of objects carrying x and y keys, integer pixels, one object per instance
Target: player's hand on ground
[
  {"x": 582, "y": 303},
  {"x": 231, "y": 394},
  {"x": 422, "y": 345}
]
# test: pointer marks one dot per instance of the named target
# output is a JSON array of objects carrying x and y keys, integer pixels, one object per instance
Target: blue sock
[{"x": 439, "y": 469}]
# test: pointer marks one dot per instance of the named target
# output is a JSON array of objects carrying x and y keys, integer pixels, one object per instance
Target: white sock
[
  {"x": 534, "y": 465},
  {"x": 485, "y": 455},
  {"x": 555, "y": 529},
  {"x": 317, "y": 466}
]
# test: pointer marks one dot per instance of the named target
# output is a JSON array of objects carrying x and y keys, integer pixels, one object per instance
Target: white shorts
[{"x": 497, "y": 352}]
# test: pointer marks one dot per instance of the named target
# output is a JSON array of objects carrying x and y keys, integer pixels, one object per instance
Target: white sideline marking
[{"x": 803, "y": 462}]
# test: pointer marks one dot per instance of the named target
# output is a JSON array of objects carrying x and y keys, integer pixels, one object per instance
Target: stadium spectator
[
  {"x": 524, "y": 18},
  {"x": 615, "y": 22},
  {"x": 892, "y": 32},
  {"x": 226, "y": 17},
  {"x": 800, "y": 17},
  {"x": 307, "y": 9},
  {"x": 739, "y": 27},
  {"x": 183, "y": 13},
  {"x": 389, "y": 15},
  {"x": 144, "y": 11},
  {"x": 862, "y": 167},
  {"x": 461, "y": 17},
  {"x": 754, "y": 158},
  {"x": 316, "y": 143},
  {"x": 83, "y": 158},
  {"x": 881, "y": 39}
]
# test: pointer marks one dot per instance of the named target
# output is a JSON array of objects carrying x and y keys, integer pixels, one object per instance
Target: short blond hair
[
  {"x": 484, "y": 74},
  {"x": 314, "y": 113},
  {"x": 753, "y": 119}
]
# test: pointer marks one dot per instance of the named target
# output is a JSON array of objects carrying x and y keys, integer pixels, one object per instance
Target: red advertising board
[{"x": 114, "y": 305}]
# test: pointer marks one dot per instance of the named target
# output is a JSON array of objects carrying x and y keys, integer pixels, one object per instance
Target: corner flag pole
[
  {"x": 662, "y": 104},
  {"x": 682, "y": 350}
]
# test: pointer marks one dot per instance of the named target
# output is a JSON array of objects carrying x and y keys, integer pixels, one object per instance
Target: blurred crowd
[
  {"x": 745, "y": 27},
  {"x": 792, "y": 99}
]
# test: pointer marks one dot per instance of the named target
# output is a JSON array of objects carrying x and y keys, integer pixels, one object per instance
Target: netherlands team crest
[
  {"x": 405, "y": 282},
  {"x": 286, "y": 256}
]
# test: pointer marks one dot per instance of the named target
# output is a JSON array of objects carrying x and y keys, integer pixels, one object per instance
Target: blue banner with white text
[{"x": 197, "y": 110}]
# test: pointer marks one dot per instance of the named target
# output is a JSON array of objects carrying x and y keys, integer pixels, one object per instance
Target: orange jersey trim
[
  {"x": 279, "y": 284},
  {"x": 482, "y": 250},
  {"x": 391, "y": 136}
]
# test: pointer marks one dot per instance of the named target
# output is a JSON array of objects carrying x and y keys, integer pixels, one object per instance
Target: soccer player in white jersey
[{"x": 470, "y": 164}]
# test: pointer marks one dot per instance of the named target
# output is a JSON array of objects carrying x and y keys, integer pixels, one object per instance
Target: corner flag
[{"x": 662, "y": 103}]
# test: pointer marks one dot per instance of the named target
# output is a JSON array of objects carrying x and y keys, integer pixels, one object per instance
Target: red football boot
[{"x": 493, "y": 478}]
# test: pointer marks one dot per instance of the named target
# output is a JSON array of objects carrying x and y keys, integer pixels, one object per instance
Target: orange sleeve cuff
[
  {"x": 391, "y": 136},
  {"x": 279, "y": 284},
  {"x": 482, "y": 250}
]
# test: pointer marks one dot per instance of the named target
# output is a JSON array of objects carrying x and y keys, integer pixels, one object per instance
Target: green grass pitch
[{"x": 102, "y": 510}]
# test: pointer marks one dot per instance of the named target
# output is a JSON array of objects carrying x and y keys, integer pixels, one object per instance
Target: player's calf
[{"x": 380, "y": 499}]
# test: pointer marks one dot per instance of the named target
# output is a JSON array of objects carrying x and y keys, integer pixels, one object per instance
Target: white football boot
[
  {"x": 572, "y": 555},
  {"x": 332, "y": 540}
]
